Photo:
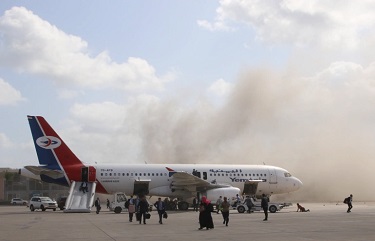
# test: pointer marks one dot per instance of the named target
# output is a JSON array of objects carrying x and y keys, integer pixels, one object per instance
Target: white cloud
[
  {"x": 5, "y": 142},
  {"x": 9, "y": 95},
  {"x": 318, "y": 22},
  {"x": 30, "y": 44},
  {"x": 69, "y": 94},
  {"x": 216, "y": 26},
  {"x": 106, "y": 115},
  {"x": 220, "y": 88}
]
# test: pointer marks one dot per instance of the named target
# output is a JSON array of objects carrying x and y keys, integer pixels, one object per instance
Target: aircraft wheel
[{"x": 183, "y": 206}]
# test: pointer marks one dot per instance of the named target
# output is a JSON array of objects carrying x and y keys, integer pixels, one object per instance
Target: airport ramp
[{"x": 79, "y": 201}]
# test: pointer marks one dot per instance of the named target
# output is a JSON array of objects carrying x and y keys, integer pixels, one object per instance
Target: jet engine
[{"x": 229, "y": 192}]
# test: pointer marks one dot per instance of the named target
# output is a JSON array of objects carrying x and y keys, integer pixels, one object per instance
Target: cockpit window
[{"x": 287, "y": 174}]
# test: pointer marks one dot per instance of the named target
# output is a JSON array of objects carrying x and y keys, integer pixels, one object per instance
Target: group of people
[
  {"x": 223, "y": 205},
  {"x": 140, "y": 206}
]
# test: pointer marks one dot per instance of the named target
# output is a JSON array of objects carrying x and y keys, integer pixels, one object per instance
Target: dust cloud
[{"x": 318, "y": 128}]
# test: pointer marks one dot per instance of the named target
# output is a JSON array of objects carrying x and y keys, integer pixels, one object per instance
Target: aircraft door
[
  {"x": 250, "y": 188},
  {"x": 141, "y": 187},
  {"x": 272, "y": 177},
  {"x": 88, "y": 174},
  {"x": 85, "y": 174},
  {"x": 92, "y": 174}
]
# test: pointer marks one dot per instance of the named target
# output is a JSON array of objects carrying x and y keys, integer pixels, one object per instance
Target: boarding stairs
[{"x": 79, "y": 201}]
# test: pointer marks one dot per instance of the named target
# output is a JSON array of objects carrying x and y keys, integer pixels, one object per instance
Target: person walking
[
  {"x": 131, "y": 208},
  {"x": 97, "y": 205},
  {"x": 142, "y": 209},
  {"x": 225, "y": 206},
  {"x": 249, "y": 203},
  {"x": 218, "y": 204},
  {"x": 264, "y": 205},
  {"x": 205, "y": 218},
  {"x": 160, "y": 206},
  {"x": 107, "y": 203},
  {"x": 349, "y": 202},
  {"x": 195, "y": 204}
]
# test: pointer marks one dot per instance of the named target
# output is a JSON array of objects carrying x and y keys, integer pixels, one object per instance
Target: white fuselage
[{"x": 121, "y": 178}]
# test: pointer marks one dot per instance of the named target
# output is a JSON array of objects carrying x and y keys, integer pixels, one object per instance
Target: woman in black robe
[{"x": 205, "y": 218}]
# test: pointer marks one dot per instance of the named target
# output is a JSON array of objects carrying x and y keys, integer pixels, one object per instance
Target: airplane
[{"x": 59, "y": 165}]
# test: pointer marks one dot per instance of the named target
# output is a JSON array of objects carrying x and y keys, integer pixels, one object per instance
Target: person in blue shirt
[{"x": 160, "y": 206}]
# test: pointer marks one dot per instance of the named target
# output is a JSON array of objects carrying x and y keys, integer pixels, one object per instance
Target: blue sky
[{"x": 288, "y": 83}]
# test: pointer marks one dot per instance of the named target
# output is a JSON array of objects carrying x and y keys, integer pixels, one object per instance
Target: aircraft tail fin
[{"x": 52, "y": 151}]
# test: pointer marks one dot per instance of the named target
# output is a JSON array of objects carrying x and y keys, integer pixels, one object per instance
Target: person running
[
  {"x": 349, "y": 201},
  {"x": 225, "y": 206}
]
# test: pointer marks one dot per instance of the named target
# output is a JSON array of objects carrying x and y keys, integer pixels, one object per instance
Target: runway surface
[{"x": 326, "y": 221}]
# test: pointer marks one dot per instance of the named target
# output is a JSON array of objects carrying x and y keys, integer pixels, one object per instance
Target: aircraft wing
[
  {"x": 40, "y": 170},
  {"x": 184, "y": 180}
]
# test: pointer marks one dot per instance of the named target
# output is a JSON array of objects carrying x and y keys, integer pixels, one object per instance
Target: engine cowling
[{"x": 229, "y": 192}]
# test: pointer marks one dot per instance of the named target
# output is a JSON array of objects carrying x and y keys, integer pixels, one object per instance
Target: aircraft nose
[{"x": 297, "y": 183}]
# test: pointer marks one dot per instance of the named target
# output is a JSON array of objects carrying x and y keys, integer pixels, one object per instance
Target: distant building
[{"x": 12, "y": 184}]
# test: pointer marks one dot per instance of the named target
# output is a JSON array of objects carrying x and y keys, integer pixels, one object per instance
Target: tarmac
[{"x": 325, "y": 221}]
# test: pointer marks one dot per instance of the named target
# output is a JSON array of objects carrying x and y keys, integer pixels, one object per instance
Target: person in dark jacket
[
  {"x": 142, "y": 209},
  {"x": 249, "y": 203},
  {"x": 205, "y": 218},
  {"x": 349, "y": 202},
  {"x": 160, "y": 206},
  {"x": 264, "y": 205},
  {"x": 97, "y": 205}
]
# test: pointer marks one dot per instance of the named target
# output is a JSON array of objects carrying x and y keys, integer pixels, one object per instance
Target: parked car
[
  {"x": 61, "y": 202},
  {"x": 42, "y": 203},
  {"x": 18, "y": 201}
]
